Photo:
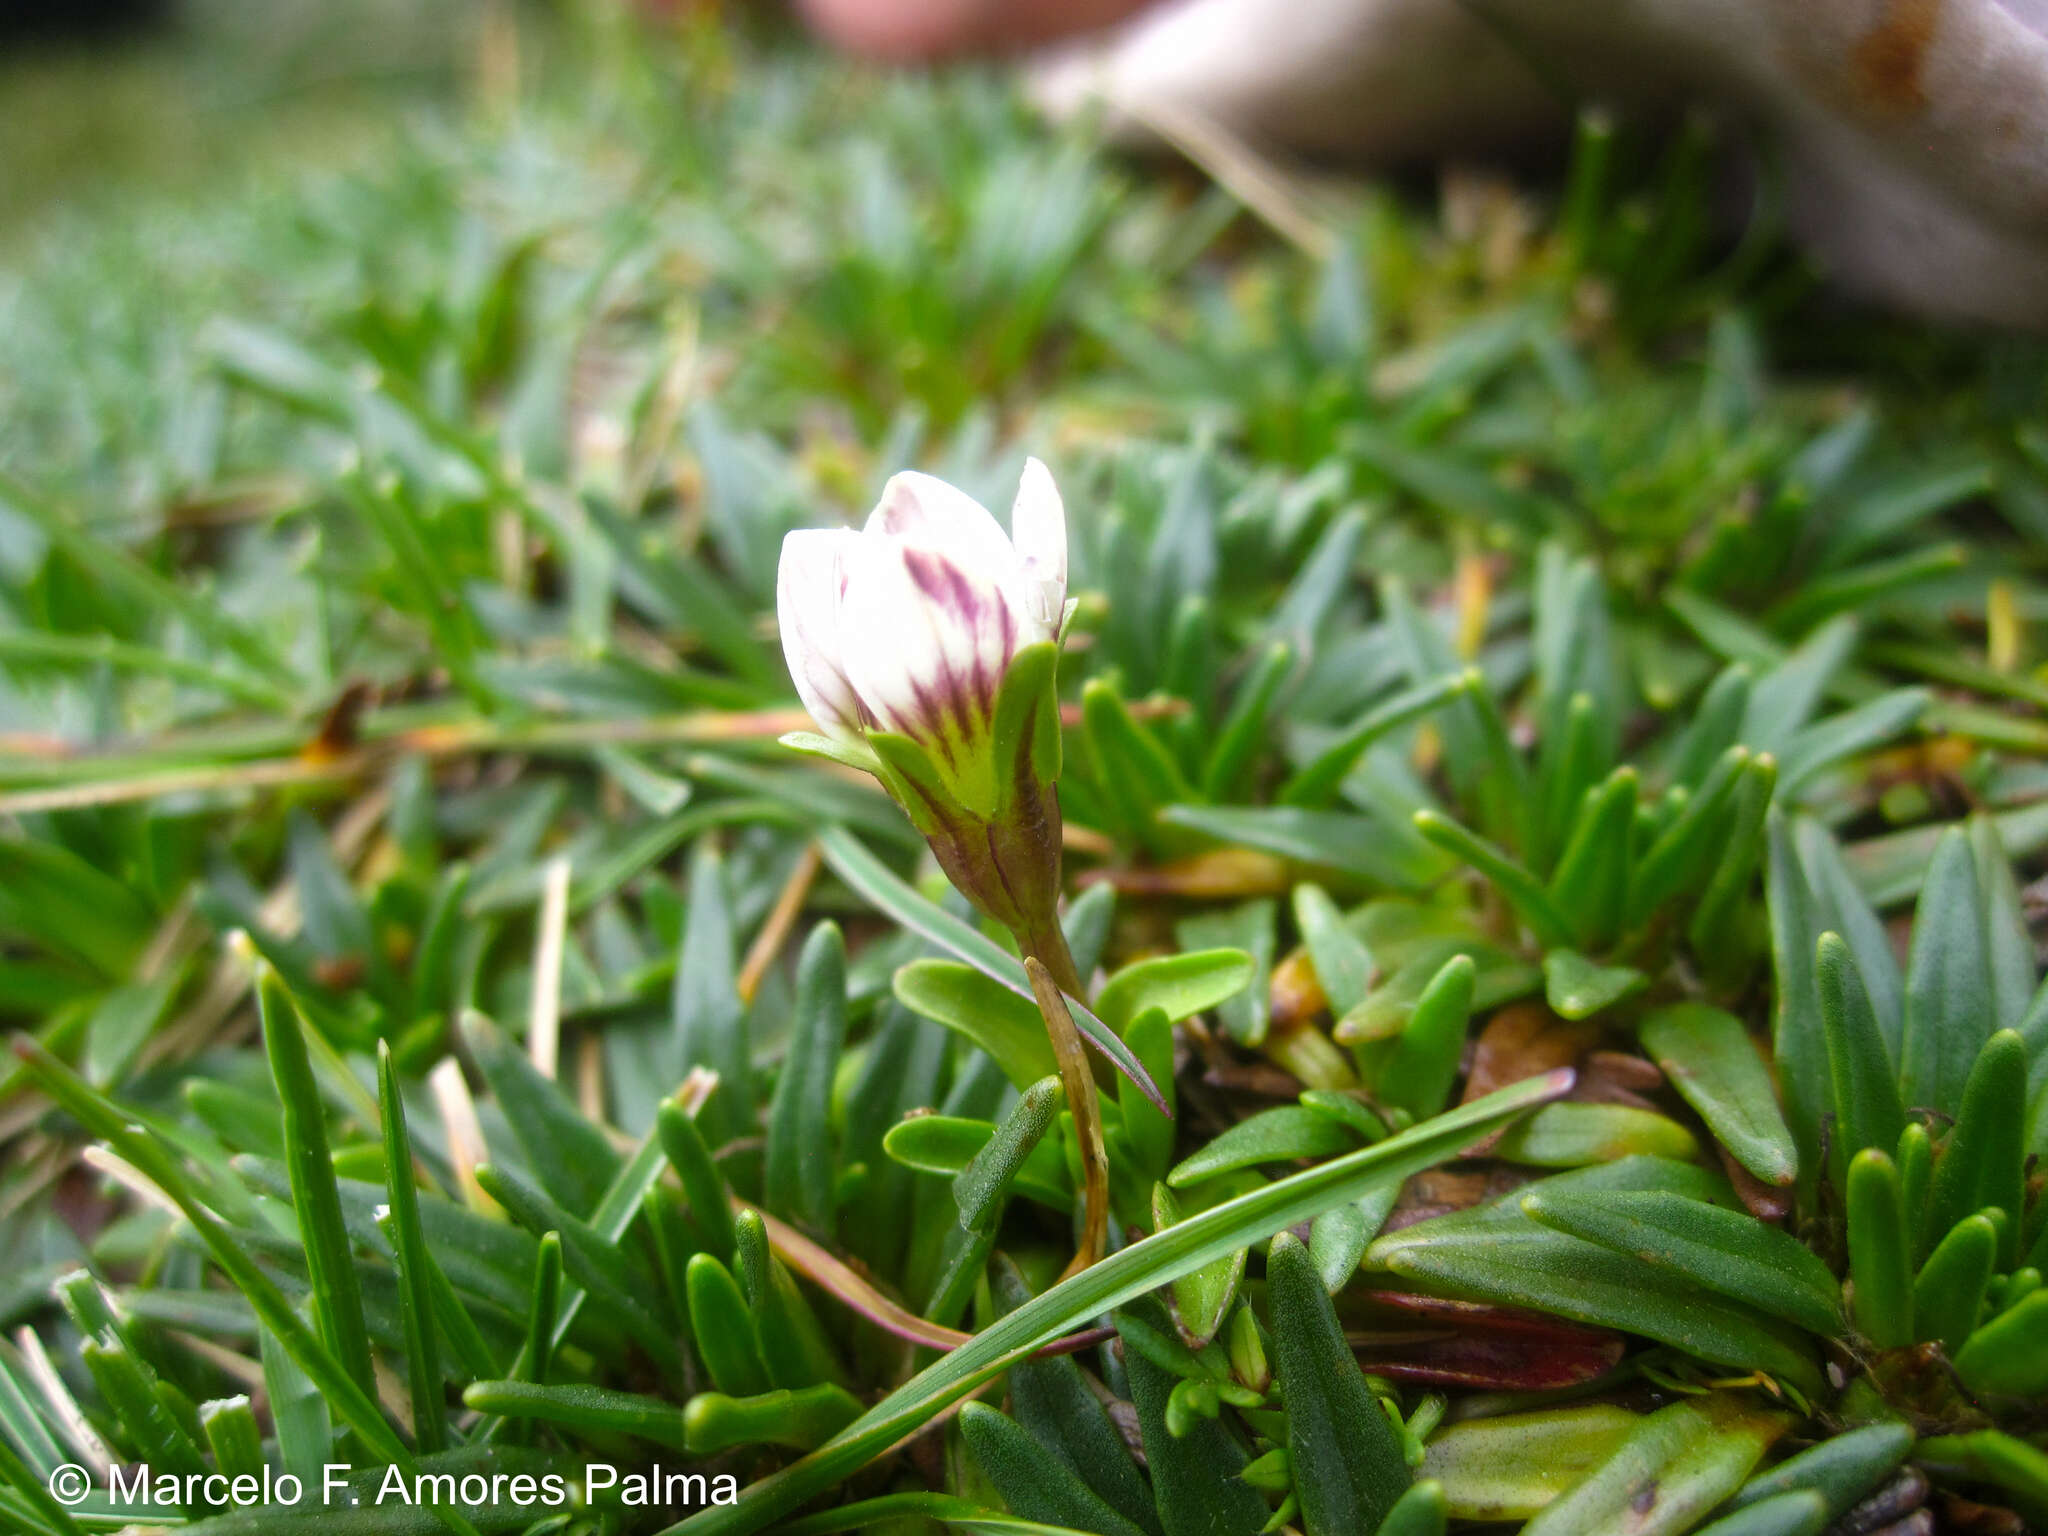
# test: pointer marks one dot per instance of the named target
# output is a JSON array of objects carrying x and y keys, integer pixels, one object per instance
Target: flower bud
[{"x": 926, "y": 648}]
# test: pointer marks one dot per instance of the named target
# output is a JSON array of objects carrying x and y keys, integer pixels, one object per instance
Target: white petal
[
  {"x": 924, "y": 642},
  {"x": 809, "y": 583},
  {"x": 926, "y": 511},
  {"x": 1038, "y": 529}
]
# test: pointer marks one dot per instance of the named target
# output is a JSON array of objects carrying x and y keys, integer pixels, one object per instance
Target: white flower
[{"x": 910, "y": 625}]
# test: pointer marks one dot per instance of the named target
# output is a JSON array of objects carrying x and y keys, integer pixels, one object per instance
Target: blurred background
[{"x": 100, "y": 96}]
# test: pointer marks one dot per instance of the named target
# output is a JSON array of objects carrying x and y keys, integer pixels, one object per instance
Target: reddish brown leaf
[
  {"x": 1472, "y": 1344},
  {"x": 1524, "y": 1040}
]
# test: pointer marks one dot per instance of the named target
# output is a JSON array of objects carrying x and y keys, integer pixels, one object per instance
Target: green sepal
[
  {"x": 852, "y": 754},
  {"x": 912, "y": 780},
  {"x": 1025, "y": 724}
]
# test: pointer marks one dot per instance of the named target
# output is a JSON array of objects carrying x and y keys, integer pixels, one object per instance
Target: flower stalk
[
  {"x": 926, "y": 648},
  {"x": 1079, "y": 1083}
]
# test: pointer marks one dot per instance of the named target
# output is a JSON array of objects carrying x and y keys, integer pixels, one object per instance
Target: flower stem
[{"x": 1079, "y": 1082}]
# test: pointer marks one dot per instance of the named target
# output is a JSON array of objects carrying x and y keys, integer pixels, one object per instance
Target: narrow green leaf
[
  {"x": 1865, "y": 1092},
  {"x": 1686, "y": 849},
  {"x": 1522, "y": 890},
  {"x": 1916, "y": 1185},
  {"x": 580, "y": 1407},
  {"x": 800, "y": 1419},
  {"x": 798, "y": 1172},
  {"x": 1799, "y": 1033},
  {"x": 1727, "y": 1252},
  {"x": 410, "y": 1258},
  {"x": 1950, "y": 1012},
  {"x": 1572, "y": 1135},
  {"x": 1706, "y": 1054},
  {"x": 1344, "y": 966},
  {"x": 1578, "y": 988},
  {"x": 1364, "y": 847},
  {"x": 617, "y": 1279},
  {"x": 19, "y": 1476},
  {"x": 793, "y": 1342},
  {"x": 2009, "y": 940},
  {"x": 1879, "y": 1273},
  {"x": 1202, "y": 1299},
  {"x": 131, "y": 1392},
  {"x": 565, "y": 1151},
  {"x": 1676, "y": 1464},
  {"x": 233, "y": 1436},
  {"x": 1591, "y": 883},
  {"x": 1180, "y": 985},
  {"x": 1276, "y": 1135},
  {"x": 982, "y": 1010},
  {"x": 1511, "y": 1466},
  {"x": 710, "y": 1023},
  {"x": 1338, "y": 1238},
  {"x": 703, "y": 1185},
  {"x": 1314, "y": 784},
  {"x": 1719, "y": 929},
  {"x": 1983, "y": 1160},
  {"x": 1056, "y": 1408},
  {"x": 1869, "y": 725},
  {"x": 1135, "y": 774},
  {"x": 1841, "y": 1469},
  {"x": 1195, "y": 1484},
  {"x": 298, "y": 1412},
  {"x": 1348, "y": 1464},
  {"x": 1423, "y": 1510},
  {"x": 1497, "y": 1254},
  {"x": 948, "y": 1145},
  {"x": 1948, "y": 1293},
  {"x": 984, "y": 1184},
  {"x": 1800, "y": 1512},
  {"x": 330, "y": 1259},
  {"x": 1035, "y": 1485},
  {"x": 723, "y": 1328},
  {"x": 2009, "y": 1354},
  {"x": 1419, "y": 1073},
  {"x": 1715, "y": 728},
  {"x": 1244, "y": 729},
  {"x": 1147, "y": 1132},
  {"x": 2005, "y": 1460}
]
